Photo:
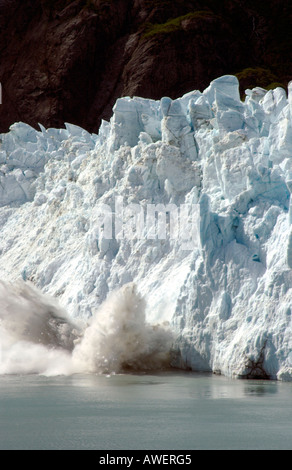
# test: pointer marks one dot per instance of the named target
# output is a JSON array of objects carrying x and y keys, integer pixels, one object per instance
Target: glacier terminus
[{"x": 220, "y": 170}]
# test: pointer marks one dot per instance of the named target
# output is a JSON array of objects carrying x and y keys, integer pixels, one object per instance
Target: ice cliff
[{"x": 227, "y": 295}]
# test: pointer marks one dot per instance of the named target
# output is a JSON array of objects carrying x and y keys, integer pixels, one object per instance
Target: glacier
[{"x": 227, "y": 296}]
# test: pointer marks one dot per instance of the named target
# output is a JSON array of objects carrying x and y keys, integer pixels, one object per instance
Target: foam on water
[{"x": 37, "y": 336}]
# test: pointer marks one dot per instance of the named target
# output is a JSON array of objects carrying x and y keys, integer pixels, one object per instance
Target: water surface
[{"x": 167, "y": 411}]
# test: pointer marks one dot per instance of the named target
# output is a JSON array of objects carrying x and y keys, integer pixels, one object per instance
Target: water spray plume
[{"x": 37, "y": 336}]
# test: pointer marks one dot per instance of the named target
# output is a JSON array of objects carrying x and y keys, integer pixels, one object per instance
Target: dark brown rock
[{"x": 68, "y": 61}]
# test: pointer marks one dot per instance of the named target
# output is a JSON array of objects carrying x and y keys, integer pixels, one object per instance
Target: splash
[
  {"x": 37, "y": 336},
  {"x": 118, "y": 337}
]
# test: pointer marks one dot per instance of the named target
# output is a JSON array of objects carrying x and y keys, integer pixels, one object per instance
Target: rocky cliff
[{"x": 69, "y": 60}]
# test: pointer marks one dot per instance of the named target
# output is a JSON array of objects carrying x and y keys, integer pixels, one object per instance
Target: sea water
[
  {"x": 165, "y": 411},
  {"x": 63, "y": 385}
]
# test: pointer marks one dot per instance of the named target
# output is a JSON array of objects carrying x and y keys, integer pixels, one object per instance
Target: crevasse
[{"x": 228, "y": 297}]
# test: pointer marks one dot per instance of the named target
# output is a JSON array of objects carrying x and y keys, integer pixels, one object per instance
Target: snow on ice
[{"x": 227, "y": 296}]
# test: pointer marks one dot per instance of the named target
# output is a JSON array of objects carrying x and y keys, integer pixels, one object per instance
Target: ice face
[{"x": 75, "y": 218}]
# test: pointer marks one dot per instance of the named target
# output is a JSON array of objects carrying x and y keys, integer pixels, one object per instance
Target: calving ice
[{"x": 224, "y": 304}]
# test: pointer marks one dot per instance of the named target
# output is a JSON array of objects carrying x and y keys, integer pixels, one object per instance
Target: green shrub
[
  {"x": 256, "y": 76},
  {"x": 175, "y": 24},
  {"x": 274, "y": 85}
]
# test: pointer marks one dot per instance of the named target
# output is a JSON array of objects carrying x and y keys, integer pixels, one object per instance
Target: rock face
[{"x": 68, "y": 61}]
